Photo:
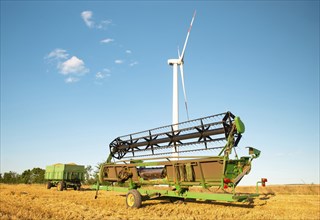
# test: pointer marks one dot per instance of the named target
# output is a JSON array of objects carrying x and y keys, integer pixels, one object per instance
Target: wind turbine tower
[{"x": 175, "y": 97}]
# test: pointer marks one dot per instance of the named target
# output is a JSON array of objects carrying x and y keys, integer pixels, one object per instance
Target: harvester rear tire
[
  {"x": 133, "y": 199},
  {"x": 48, "y": 185}
]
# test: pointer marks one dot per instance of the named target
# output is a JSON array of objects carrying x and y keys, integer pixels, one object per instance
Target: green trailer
[{"x": 64, "y": 176}]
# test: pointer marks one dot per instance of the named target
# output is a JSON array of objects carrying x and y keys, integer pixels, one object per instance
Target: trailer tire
[
  {"x": 133, "y": 199},
  {"x": 77, "y": 187},
  {"x": 60, "y": 186},
  {"x": 49, "y": 185}
]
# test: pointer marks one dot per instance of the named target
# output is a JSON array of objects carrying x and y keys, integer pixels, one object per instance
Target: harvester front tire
[{"x": 133, "y": 199}]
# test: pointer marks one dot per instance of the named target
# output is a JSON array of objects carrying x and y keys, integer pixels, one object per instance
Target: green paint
[
  {"x": 65, "y": 172},
  {"x": 229, "y": 145},
  {"x": 189, "y": 172},
  {"x": 239, "y": 125},
  {"x": 136, "y": 161},
  {"x": 184, "y": 193},
  {"x": 146, "y": 164},
  {"x": 109, "y": 158},
  {"x": 255, "y": 153},
  {"x": 132, "y": 185}
]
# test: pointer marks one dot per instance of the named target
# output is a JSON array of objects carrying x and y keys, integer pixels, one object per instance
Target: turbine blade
[
  {"x": 184, "y": 90},
  {"x": 186, "y": 41}
]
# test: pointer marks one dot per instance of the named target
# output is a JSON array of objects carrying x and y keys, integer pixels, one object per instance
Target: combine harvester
[{"x": 149, "y": 164}]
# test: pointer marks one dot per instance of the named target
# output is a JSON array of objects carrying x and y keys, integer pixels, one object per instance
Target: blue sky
[{"x": 75, "y": 75}]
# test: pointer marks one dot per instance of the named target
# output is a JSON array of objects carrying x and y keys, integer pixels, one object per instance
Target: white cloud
[
  {"x": 57, "y": 54},
  {"x": 102, "y": 75},
  {"x": 104, "y": 24},
  {"x": 107, "y": 40},
  {"x": 87, "y": 18},
  {"x": 128, "y": 51},
  {"x": 73, "y": 65},
  {"x": 71, "y": 80},
  {"x": 133, "y": 63},
  {"x": 118, "y": 61},
  {"x": 72, "y": 68}
]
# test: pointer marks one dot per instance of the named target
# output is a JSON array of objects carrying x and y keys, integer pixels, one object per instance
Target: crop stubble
[{"x": 36, "y": 202}]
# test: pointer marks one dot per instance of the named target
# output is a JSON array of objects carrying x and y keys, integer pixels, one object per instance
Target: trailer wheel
[
  {"x": 133, "y": 199},
  {"x": 48, "y": 185},
  {"x": 60, "y": 186},
  {"x": 77, "y": 187}
]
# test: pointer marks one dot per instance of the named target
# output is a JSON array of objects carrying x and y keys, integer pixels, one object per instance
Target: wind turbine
[{"x": 175, "y": 98}]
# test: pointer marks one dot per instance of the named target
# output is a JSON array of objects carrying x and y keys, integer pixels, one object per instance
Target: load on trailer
[
  {"x": 153, "y": 158},
  {"x": 64, "y": 176}
]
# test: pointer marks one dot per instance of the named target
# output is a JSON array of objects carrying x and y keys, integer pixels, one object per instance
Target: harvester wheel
[
  {"x": 48, "y": 185},
  {"x": 133, "y": 199},
  {"x": 60, "y": 186}
]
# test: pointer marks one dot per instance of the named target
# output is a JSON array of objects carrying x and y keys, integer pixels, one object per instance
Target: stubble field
[{"x": 37, "y": 202}]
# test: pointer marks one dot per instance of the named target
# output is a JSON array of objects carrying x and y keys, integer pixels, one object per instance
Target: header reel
[{"x": 206, "y": 133}]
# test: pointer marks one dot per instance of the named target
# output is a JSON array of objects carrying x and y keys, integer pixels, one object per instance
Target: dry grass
[{"x": 36, "y": 202}]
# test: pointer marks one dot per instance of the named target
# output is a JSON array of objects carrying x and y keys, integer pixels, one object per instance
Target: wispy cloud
[
  {"x": 119, "y": 61},
  {"x": 128, "y": 51},
  {"x": 87, "y": 17},
  {"x": 73, "y": 66},
  {"x": 133, "y": 63},
  {"x": 104, "y": 24},
  {"x": 57, "y": 54},
  {"x": 102, "y": 75},
  {"x": 71, "y": 80},
  {"x": 107, "y": 40}
]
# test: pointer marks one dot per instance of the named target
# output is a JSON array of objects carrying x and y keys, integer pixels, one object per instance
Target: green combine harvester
[
  {"x": 171, "y": 162},
  {"x": 64, "y": 176}
]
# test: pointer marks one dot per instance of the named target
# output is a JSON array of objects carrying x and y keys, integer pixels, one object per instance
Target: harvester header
[{"x": 137, "y": 163}]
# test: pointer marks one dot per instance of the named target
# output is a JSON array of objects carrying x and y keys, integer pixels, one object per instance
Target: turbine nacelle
[{"x": 175, "y": 61}]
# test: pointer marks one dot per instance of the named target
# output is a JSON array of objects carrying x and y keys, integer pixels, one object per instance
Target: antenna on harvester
[{"x": 175, "y": 97}]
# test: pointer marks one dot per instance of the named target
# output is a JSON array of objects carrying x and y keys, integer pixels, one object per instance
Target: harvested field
[{"x": 36, "y": 202}]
